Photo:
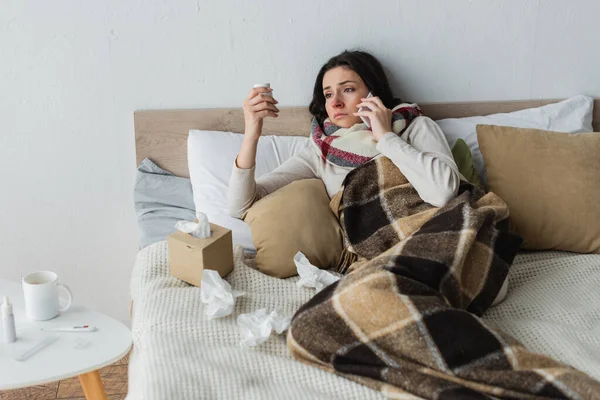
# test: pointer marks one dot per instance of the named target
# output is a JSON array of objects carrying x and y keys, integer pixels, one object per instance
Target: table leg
[{"x": 92, "y": 386}]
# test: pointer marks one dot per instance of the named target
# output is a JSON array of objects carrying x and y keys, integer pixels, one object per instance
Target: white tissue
[
  {"x": 257, "y": 326},
  {"x": 217, "y": 295},
  {"x": 311, "y": 276},
  {"x": 199, "y": 230}
]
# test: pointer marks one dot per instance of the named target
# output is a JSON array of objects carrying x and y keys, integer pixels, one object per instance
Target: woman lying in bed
[{"x": 399, "y": 131}]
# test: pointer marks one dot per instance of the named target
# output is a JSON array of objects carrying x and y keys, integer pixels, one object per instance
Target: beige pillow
[
  {"x": 551, "y": 183},
  {"x": 295, "y": 218}
]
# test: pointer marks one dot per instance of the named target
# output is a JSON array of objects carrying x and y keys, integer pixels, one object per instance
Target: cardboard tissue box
[{"x": 189, "y": 256}]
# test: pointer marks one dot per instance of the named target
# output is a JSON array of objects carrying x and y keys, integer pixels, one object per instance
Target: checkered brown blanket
[{"x": 404, "y": 319}]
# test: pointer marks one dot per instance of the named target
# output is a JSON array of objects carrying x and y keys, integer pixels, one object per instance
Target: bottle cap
[{"x": 265, "y": 85}]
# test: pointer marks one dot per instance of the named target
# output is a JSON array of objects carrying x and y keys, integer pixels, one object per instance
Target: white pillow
[
  {"x": 210, "y": 161},
  {"x": 572, "y": 115}
]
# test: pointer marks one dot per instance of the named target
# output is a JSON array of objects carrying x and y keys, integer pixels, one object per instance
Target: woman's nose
[{"x": 336, "y": 102}]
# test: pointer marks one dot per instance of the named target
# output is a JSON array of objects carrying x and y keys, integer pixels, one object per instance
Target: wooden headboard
[{"x": 161, "y": 135}]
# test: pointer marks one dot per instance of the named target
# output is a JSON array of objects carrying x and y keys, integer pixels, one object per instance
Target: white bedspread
[{"x": 553, "y": 307}]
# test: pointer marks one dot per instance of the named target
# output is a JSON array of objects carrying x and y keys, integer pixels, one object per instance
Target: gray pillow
[{"x": 161, "y": 199}]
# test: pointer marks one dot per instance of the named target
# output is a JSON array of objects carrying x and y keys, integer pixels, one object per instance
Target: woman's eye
[
  {"x": 349, "y": 89},
  {"x": 328, "y": 95}
]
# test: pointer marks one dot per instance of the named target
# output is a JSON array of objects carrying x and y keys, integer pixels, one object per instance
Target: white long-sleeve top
[{"x": 421, "y": 153}]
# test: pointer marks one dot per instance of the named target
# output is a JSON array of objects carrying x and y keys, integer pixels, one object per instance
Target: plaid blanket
[{"x": 404, "y": 319}]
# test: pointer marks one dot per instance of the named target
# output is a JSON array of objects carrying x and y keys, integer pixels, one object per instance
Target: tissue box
[{"x": 189, "y": 256}]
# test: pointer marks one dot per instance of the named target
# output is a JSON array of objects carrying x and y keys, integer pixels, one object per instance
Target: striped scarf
[{"x": 352, "y": 147}]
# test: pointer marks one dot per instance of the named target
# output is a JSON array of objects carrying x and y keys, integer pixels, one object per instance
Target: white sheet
[{"x": 553, "y": 307}]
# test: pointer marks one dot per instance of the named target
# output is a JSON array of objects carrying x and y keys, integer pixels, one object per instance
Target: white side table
[{"x": 72, "y": 354}]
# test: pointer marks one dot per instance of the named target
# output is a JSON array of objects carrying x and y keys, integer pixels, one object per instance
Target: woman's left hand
[{"x": 379, "y": 116}]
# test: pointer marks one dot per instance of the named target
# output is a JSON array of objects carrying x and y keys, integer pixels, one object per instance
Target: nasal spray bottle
[{"x": 8, "y": 321}]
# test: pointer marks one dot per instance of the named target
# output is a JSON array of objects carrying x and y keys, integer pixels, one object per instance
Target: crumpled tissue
[
  {"x": 311, "y": 276},
  {"x": 257, "y": 326},
  {"x": 199, "y": 230},
  {"x": 217, "y": 295}
]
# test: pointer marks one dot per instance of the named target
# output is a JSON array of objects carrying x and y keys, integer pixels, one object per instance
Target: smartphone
[{"x": 366, "y": 119}]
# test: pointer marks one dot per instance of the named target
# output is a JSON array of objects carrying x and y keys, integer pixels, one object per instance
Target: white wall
[{"x": 73, "y": 72}]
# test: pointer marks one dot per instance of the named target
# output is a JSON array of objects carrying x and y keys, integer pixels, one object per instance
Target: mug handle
[{"x": 69, "y": 295}]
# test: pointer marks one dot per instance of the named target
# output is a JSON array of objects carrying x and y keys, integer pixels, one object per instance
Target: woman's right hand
[{"x": 258, "y": 105}]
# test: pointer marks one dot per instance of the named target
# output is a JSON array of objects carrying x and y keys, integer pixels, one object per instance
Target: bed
[{"x": 553, "y": 303}]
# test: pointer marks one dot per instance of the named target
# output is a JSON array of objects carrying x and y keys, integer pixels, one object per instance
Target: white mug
[{"x": 41, "y": 295}]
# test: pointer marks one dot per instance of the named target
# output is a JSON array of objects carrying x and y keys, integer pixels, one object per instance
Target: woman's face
[{"x": 343, "y": 89}]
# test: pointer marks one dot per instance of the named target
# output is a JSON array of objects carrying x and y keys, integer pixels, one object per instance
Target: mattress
[{"x": 553, "y": 307}]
